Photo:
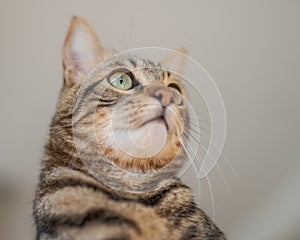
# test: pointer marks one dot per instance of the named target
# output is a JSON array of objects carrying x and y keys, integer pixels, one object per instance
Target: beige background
[{"x": 251, "y": 49}]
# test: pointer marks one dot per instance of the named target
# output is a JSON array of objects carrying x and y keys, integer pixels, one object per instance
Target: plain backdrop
[{"x": 250, "y": 48}]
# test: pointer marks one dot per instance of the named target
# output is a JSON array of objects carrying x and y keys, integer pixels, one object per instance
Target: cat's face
[{"x": 134, "y": 108}]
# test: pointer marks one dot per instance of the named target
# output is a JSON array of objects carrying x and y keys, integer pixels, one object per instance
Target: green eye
[{"x": 121, "y": 80}]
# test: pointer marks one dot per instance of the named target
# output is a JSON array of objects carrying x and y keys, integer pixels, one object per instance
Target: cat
[{"x": 94, "y": 189}]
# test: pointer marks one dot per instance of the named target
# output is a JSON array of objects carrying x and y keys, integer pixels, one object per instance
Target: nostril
[
  {"x": 159, "y": 96},
  {"x": 161, "y": 93},
  {"x": 164, "y": 96}
]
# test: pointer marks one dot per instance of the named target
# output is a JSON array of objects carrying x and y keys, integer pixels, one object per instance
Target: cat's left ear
[
  {"x": 81, "y": 52},
  {"x": 176, "y": 61}
]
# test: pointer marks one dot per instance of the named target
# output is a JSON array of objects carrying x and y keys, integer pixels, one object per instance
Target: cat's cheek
[
  {"x": 173, "y": 120},
  {"x": 103, "y": 131}
]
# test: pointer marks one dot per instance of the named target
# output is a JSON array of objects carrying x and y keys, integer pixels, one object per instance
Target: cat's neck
[
  {"x": 61, "y": 153},
  {"x": 112, "y": 176},
  {"x": 134, "y": 181}
]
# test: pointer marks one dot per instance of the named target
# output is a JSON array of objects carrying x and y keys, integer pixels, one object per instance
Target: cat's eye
[
  {"x": 175, "y": 86},
  {"x": 121, "y": 80},
  {"x": 178, "y": 98}
]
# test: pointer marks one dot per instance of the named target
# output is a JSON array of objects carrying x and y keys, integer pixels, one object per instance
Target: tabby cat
[{"x": 103, "y": 176}]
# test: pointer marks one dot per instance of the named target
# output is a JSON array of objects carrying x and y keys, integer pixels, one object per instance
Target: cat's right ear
[
  {"x": 81, "y": 52},
  {"x": 175, "y": 61}
]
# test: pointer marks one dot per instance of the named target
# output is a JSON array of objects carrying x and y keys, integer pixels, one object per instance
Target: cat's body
[{"x": 139, "y": 197}]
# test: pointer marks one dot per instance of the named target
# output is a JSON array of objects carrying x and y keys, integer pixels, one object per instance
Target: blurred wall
[{"x": 250, "y": 48}]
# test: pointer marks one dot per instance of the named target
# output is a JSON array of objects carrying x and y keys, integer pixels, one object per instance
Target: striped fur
[
  {"x": 72, "y": 202},
  {"x": 72, "y": 205}
]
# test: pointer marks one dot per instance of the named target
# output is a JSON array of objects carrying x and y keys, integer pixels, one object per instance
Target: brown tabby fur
[{"x": 71, "y": 203}]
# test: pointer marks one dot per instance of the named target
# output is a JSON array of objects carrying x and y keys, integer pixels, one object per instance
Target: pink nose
[{"x": 163, "y": 94}]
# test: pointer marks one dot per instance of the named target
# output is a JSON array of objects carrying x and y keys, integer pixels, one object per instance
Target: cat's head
[{"x": 130, "y": 110}]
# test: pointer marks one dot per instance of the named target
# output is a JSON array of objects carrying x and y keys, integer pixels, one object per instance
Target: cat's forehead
[
  {"x": 143, "y": 68},
  {"x": 134, "y": 62}
]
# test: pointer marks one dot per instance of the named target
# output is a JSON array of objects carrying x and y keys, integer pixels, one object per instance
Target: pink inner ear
[
  {"x": 176, "y": 61},
  {"x": 81, "y": 49}
]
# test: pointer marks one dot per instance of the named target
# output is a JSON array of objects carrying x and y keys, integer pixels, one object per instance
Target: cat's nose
[{"x": 162, "y": 93}]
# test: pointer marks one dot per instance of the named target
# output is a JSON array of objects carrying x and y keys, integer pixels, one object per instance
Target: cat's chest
[{"x": 160, "y": 217}]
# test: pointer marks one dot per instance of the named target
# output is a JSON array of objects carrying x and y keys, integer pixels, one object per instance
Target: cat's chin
[
  {"x": 155, "y": 121},
  {"x": 146, "y": 141}
]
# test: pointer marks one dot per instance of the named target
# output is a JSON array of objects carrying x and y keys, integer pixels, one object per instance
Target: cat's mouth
[{"x": 158, "y": 119}]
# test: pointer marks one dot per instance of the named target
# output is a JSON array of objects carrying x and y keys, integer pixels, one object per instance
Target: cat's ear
[
  {"x": 81, "y": 52},
  {"x": 176, "y": 61}
]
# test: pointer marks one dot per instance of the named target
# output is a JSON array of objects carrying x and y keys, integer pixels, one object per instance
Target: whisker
[
  {"x": 199, "y": 120},
  {"x": 197, "y": 125},
  {"x": 192, "y": 162},
  {"x": 222, "y": 175},
  {"x": 207, "y": 178},
  {"x": 194, "y": 138},
  {"x": 223, "y": 156},
  {"x": 199, "y": 160},
  {"x": 197, "y": 131},
  {"x": 218, "y": 168}
]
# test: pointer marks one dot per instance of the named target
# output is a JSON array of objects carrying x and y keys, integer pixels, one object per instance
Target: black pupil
[{"x": 121, "y": 79}]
